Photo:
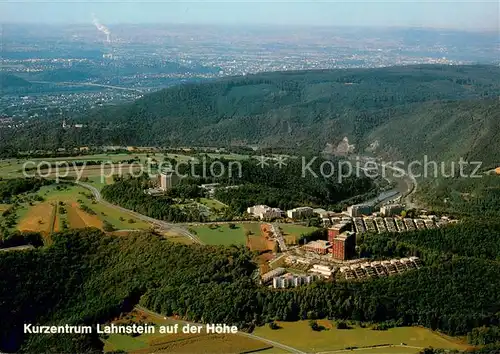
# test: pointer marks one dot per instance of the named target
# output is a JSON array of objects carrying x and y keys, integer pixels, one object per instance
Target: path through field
[
  {"x": 273, "y": 343},
  {"x": 165, "y": 226}
]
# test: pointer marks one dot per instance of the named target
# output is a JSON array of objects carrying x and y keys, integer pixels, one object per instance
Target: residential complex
[
  {"x": 391, "y": 209},
  {"x": 318, "y": 246},
  {"x": 291, "y": 280},
  {"x": 168, "y": 180},
  {"x": 378, "y": 269},
  {"x": 324, "y": 271},
  {"x": 267, "y": 277},
  {"x": 359, "y": 210},
  {"x": 334, "y": 255},
  {"x": 265, "y": 212},
  {"x": 344, "y": 246},
  {"x": 300, "y": 213},
  {"x": 337, "y": 229}
]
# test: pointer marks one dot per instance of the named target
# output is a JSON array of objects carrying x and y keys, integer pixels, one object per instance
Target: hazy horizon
[
  {"x": 251, "y": 25},
  {"x": 469, "y": 16}
]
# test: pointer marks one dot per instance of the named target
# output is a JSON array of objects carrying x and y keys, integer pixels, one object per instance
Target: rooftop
[{"x": 319, "y": 244}]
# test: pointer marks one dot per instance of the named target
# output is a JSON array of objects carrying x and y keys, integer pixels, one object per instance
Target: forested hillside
[
  {"x": 11, "y": 81},
  {"x": 281, "y": 187},
  {"x": 407, "y": 110},
  {"x": 86, "y": 277},
  {"x": 463, "y": 197}
]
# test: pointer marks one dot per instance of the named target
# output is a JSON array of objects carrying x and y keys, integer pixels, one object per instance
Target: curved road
[
  {"x": 268, "y": 341},
  {"x": 158, "y": 223},
  {"x": 407, "y": 178},
  {"x": 410, "y": 181}
]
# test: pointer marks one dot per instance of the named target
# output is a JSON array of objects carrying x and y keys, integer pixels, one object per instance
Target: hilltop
[{"x": 12, "y": 81}]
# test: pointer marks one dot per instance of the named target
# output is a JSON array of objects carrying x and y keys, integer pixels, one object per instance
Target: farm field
[
  {"x": 259, "y": 243},
  {"x": 78, "y": 219},
  {"x": 178, "y": 342},
  {"x": 40, "y": 216},
  {"x": 230, "y": 156},
  {"x": 12, "y": 168},
  {"x": 299, "y": 335},
  {"x": 257, "y": 240}
]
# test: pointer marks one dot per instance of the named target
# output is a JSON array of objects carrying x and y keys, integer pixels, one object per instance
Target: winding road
[
  {"x": 165, "y": 226},
  {"x": 402, "y": 176}
]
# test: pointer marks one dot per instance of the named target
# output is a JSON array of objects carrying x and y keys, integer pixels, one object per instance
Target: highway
[
  {"x": 407, "y": 184},
  {"x": 249, "y": 335},
  {"x": 158, "y": 223},
  {"x": 88, "y": 84}
]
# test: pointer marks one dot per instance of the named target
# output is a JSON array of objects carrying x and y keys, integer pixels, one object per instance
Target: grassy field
[
  {"x": 178, "y": 238},
  {"x": 78, "y": 219},
  {"x": 235, "y": 157},
  {"x": 183, "y": 158},
  {"x": 299, "y": 335},
  {"x": 254, "y": 228},
  {"x": 221, "y": 234},
  {"x": 295, "y": 230},
  {"x": 11, "y": 168},
  {"x": 39, "y": 217},
  {"x": 120, "y": 220},
  {"x": 178, "y": 342},
  {"x": 404, "y": 340},
  {"x": 4, "y": 207},
  {"x": 383, "y": 350},
  {"x": 212, "y": 203}
]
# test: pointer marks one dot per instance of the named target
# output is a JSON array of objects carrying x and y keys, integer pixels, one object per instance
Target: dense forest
[
  {"x": 129, "y": 193},
  {"x": 12, "y": 187},
  {"x": 241, "y": 186},
  {"x": 86, "y": 277},
  {"x": 391, "y": 107},
  {"x": 463, "y": 197},
  {"x": 291, "y": 185},
  {"x": 469, "y": 238}
]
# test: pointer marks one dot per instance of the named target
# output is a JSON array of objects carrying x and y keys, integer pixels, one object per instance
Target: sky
[{"x": 468, "y": 15}]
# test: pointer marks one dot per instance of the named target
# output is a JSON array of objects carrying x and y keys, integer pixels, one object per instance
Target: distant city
[{"x": 67, "y": 69}]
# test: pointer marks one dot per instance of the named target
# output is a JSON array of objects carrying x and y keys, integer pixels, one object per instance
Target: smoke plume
[{"x": 101, "y": 28}]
